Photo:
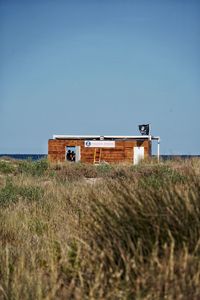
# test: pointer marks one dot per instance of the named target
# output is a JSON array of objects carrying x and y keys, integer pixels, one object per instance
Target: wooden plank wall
[{"x": 123, "y": 152}]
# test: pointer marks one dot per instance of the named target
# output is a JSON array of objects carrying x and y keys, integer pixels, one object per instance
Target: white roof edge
[{"x": 55, "y": 136}]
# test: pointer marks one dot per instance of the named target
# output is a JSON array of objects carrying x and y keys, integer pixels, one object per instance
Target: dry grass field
[{"x": 133, "y": 232}]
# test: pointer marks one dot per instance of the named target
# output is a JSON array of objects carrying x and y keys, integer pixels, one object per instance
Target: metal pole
[
  {"x": 158, "y": 153},
  {"x": 149, "y": 131}
]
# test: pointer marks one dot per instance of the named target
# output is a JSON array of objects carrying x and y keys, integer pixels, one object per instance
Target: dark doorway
[{"x": 71, "y": 153}]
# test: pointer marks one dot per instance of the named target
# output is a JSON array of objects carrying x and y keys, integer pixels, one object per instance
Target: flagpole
[{"x": 150, "y": 131}]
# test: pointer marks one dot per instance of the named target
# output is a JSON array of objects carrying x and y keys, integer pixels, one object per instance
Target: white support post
[{"x": 158, "y": 153}]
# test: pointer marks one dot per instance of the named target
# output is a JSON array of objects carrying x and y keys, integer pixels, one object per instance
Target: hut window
[{"x": 71, "y": 153}]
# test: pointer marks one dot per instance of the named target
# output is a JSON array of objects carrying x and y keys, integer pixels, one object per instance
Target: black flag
[{"x": 144, "y": 129}]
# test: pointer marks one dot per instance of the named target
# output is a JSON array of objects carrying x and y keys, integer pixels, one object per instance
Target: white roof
[{"x": 87, "y": 137}]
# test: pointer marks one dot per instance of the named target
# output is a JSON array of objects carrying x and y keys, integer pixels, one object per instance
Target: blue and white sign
[
  {"x": 100, "y": 144},
  {"x": 87, "y": 143}
]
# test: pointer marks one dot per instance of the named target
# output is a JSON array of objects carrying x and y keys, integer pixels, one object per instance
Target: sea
[
  {"x": 43, "y": 156},
  {"x": 24, "y": 156}
]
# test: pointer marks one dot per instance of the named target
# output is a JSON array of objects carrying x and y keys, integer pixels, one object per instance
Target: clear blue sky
[{"x": 99, "y": 67}]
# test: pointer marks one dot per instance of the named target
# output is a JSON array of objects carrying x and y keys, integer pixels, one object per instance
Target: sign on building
[{"x": 100, "y": 144}]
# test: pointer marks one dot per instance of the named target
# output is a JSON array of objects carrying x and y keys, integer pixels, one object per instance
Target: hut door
[{"x": 138, "y": 154}]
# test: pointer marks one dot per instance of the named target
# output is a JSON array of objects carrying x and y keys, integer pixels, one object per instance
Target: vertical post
[
  {"x": 150, "y": 137},
  {"x": 78, "y": 154},
  {"x": 158, "y": 153}
]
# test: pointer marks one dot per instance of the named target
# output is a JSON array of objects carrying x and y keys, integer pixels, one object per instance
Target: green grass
[
  {"x": 134, "y": 233},
  {"x": 35, "y": 168},
  {"x": 6, "y": 167},
  {"x": 12, "y": 193}
]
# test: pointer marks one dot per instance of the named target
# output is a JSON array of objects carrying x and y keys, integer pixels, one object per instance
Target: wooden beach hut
[{"x": 96, "y": 149}]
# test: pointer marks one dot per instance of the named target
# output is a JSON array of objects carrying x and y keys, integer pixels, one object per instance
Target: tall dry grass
[{"x": 132, "y": 233}]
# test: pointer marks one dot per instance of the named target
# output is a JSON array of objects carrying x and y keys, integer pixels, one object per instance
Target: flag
[{"x": 144, "y": 129}]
